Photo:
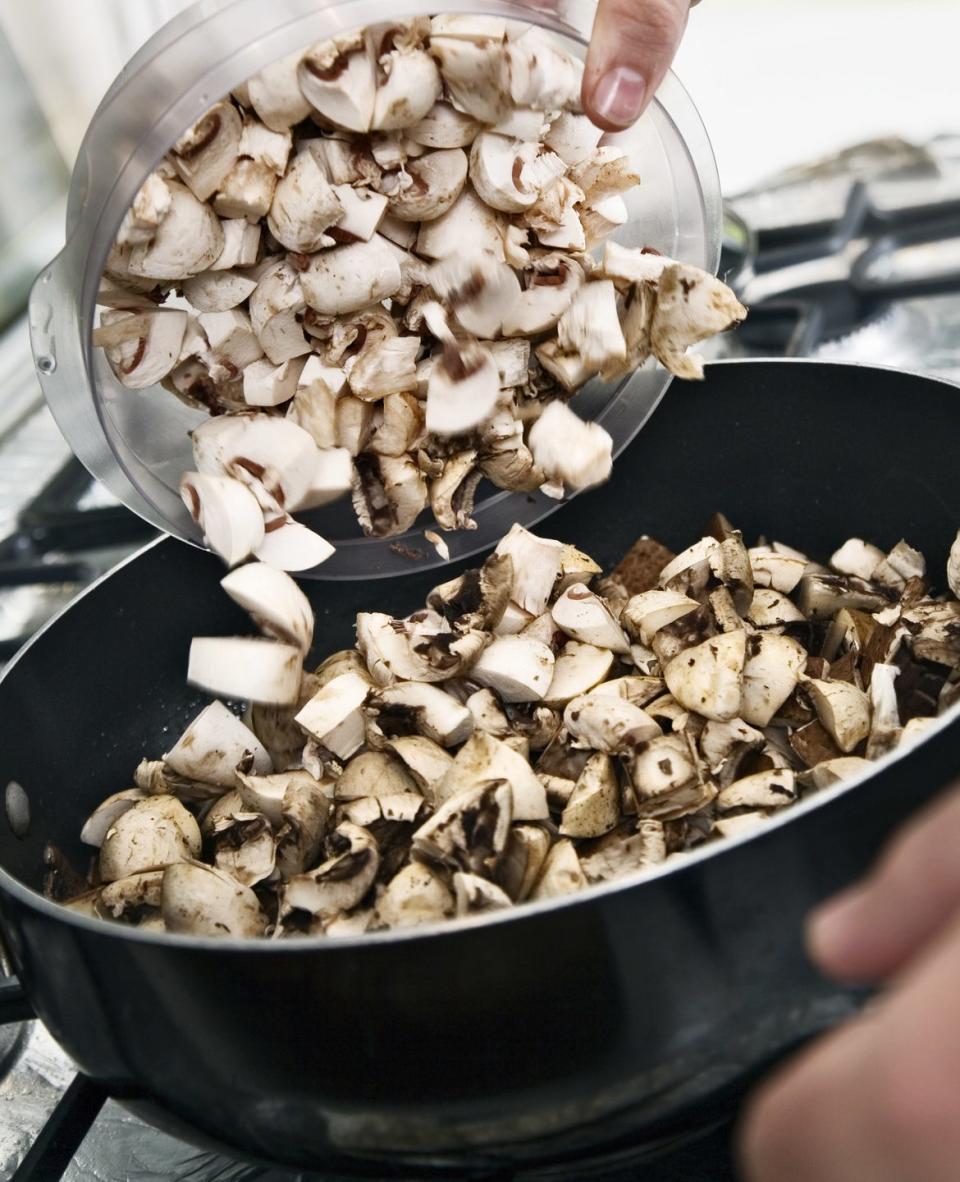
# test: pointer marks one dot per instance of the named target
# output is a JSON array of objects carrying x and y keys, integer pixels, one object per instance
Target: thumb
[{"x": 633, "y": 44}]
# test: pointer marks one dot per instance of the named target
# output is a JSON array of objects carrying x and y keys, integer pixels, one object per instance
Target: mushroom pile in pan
[
  {"x": 378, "y": 266},
  {"x": 534, "y": 729}
]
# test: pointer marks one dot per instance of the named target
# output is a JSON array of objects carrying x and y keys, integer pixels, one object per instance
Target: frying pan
[{"x": 570, "y": 1028}]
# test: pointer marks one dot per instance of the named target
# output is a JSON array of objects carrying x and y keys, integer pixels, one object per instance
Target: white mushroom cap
[
  {"x": 251, "y": 668},
  {"x": 333, "y": 477},
  {"x": 479, "y": 291},
  {"x": 351, "y": 277},
  {"x": 426, "y": 761},
  {"x": 187, "y": 241},
  {"x": 218, "y": 291},
  {"x": 288, "y": 545},
  {"x": 416, "y": 894},
  {"x": 843, "y": 709},
  {"x": 247, "y": 191},
  {"x": 519, "y": 668},
  {"x": 578, "y": 668},
  {"x": 584, "y": 616},
  {"x": 468, "y": 226},
  {"x": 770, "y": 608},
  {"x": 553, "y": 283},
  {"x": 438, "y": 715},
  {"x": 496, "y": 171},
  {"x": 273, "y": 312},
  {"x": 540, "y": 75},
  {"x": 274, "y": 457},
  {"x": 764, "y": 790},
  {"x": 143, "y": 346},
  {"x": 536, "y": 567},
  {"x": 691, "y": 306},
  {"x": 152, "y": 834},
  {"x": 779, "y": 571},
  {"x": 832, "y": 771},
  {"x": 443, "y": 126},
  {"x": 471, "y": 71},
  {"x": 463, "y": 390},
  {"x": 387, "y": 366},
  {"x": 276, "y": 96},
  {"x": 207, "y": 151},
  {"x": 633, "y": 265},
  {"x": 437, "y": 179},
  {"x": 374, "y": 774},
  {"x": 599, "y": 722},
  {"x": 594, "y": 805},
  {"x": 339, "y": 80},
  {"x": 409, "y": 91},
  {"x": 770, "y": 675},
  {"x": 214, "y": 746},
  {"x": 200, "y": 900},
  {"x": 708, "y": 678},
  {"x": 569, "y": 450},
  {"x": 561, "y": 873},
  {"x": 902, "y": 563},
  {"x": 485, "y": 758},
  {"x": 275, "y": 602},
  {"x": 665, "y": 779},
  {"x": 107, "y": 811},
  {"x": 645, "y": 614},
  {"x": 264, "y": 794},
  {"x": 226, "y": 511},
  {"x": 304, "y": 206},
  {"x": 857, "y": 557},
  {"x": 231, "y": 343},
  {"x": 607, "y": 173}
]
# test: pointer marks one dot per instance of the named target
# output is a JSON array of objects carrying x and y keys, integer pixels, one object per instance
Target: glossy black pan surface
[{"x": 545, "y": 1036}]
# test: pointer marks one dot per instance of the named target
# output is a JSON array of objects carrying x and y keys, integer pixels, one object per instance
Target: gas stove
[{"x": 856, "y": 258}]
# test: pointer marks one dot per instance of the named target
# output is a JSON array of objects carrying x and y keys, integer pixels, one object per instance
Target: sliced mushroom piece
[
  {"x": 469, "y": 831},
  {"x": 665, "y": 779},
  {"x": 526, "y": 852},
  {"x": 277, "y": 605},
  {"x": 594, "y": 806},
  {"x": 953, "y": 567},
  {"x": 333, "y": 716},
  {"x": 518, "y": 668},
  {"x": 274, "y": 307},
  {"x": 857, "y": 557},
  {"x": 599, "y": 221},
  {"x": 150, "y": 206},
  {"x": 351, "y": 277},
  {"x": 426, "y": 761},
  {"x": 770, "y": 675},
  {"x": 200, "y": 900},
  {"x": 724, "y": 744},
  {"x": 497, "y": 165},
  {"x": 553, "y": 281},
  {"x": 417, "y": 894},
  {"x": 478, "y": 290},
  {"x": 339, "y": 883},
  {"x": 389, "y": 493},
  {"x": 488, "y": 714},
  {"x": 513, "y": 362},
  {"x": 599, "y": 722},
  {"x": 374, "y": 774},
  {"x": 690, "y": 571},
  {"x": 885, "y": 729},
  {"x": 555, "y": 218},
  {"x": 314, "y": 406},
  {"x": 241, "y": 842},
  {"x": 410, "y": 89},
  {"x": 208, "y": 150},
  {"x": 305, "y": 205},
  {"x": 290, "y": 546},
  {"x": 274, "y": 457},
  {"x": 561, "y": 873},
  {"x": 452, "y": 494},
  {"x": 252, "y": 668},
  {"x": 214, "y": 746},
  {"x": 463, "y": 390},
  {"x": 131, "y": 899},
  {"x": 143, "y": 346},
  {"x": 914, "y": 731},
  {"x": 762, "y": 791},
  {"x": 443, "y": 126},
  {"x": 822, "y": 596},
  {"x": 590, "y": 327},
  {"x": 771, "y": 609},
  {"x": 485, "y": 758},
  {"x": 708, "y": 678},
  {"x": 103, "y": 816},
  {"x": 645, "y": 614},
  {"x": 246, "y": 191},
  {"x": 539, "y": 75},
  {"x": 266, "y": 384},
  {"x": 387, "y": 648},
  {"x": 230, "y": 343},
  {"x": 843, "y": 709},
  {"x": 475, "y": 895},
  {"x": 536, "y": 565},
  {"x": 584, "y": 616},
  {"x": 151, "y": 834},
  {"x": 339, "y": 80},
  {"x": 275, "y": 94},
  {"x": 188, "y": 240},
  {"x": 471, "y": 72},
  {"x": 431, "y": 711},
  {"x": 468, "y": 226},
  {"x": 900, "y": 565},
  {"x": 629, "y": 848},
  {"x": 387, "y": 366},
  {"x": 738, "y": 824},
  {"x": 363, "y": 212},
  {"x": 400, "y": 427},
  {"x": 573, "y": 137},
  {"x": 578, "y": 668},
  {"x": 638, "y": 690},
  {"x": 504, "y": 457},
  {"x": 832, "y": 771},
  {"x": 691, "y": 306},
  {"x": 569, "y": 450},
  {"x": 436, "y": 180}
]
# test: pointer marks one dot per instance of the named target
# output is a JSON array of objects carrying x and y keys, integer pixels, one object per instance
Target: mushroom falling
[
  {"x": 534, "y": 729},
  {"x": 382, "y": 266}
]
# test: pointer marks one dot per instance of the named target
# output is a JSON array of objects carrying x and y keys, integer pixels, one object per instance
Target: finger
[
  {"x": 876, "y": 1100},
  {"x": 872, "y": 930},
  {"x": 633, "y": 44}
]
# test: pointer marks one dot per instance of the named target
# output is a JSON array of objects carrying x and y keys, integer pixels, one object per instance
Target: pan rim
[{"x": 31, "y": 898}]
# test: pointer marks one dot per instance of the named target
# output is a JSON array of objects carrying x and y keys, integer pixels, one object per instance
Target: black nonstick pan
[{"x": 560, "y": 1032}]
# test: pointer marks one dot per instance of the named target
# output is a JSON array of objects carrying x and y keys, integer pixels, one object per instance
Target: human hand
[
  {"x": 878, "y": 1100},
  {"x": 633, "y": 44}
]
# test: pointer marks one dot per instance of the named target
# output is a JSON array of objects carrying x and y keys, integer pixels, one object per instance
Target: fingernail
[
  {"x": 832, "y": 926},
  {"x": 618, "y": 96}
]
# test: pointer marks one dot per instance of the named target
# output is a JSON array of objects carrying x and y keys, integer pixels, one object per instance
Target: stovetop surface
[{"x": 853, "y": 258}]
